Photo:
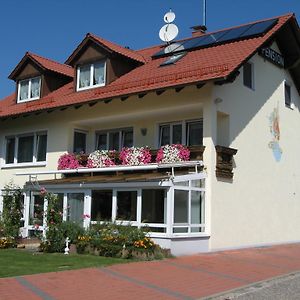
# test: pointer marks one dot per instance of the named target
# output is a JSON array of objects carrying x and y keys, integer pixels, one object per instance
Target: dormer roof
[
  {"x": 108, "y": 46},
  {"x": 45, "y": 64}
]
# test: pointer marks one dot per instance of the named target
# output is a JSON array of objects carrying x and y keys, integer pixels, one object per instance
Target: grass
[{"x": 16, "y": 262}]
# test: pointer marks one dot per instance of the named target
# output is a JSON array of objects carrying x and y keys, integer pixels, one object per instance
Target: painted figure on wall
[{"x": 275, "y": 132}]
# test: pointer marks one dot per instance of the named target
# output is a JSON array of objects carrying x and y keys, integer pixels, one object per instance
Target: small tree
[{"x": 12, "y": 210}]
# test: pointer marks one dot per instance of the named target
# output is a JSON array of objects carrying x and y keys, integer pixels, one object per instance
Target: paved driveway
[{"x": 189, "y": 277}]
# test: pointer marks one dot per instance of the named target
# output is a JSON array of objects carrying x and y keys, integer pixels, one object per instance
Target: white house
[{"x": 231, "y": 96}]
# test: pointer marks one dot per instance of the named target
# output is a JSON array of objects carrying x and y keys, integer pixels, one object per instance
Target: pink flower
[
  {"x": 43, "y": 191},
  {"x": 36, "y": 226}
]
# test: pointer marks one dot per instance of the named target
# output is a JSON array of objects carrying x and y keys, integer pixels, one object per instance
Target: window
[
  {"x": 91, "y": 75},
  {"x": 29, "y": 89},
  {"x": 27, "y": 148},
  {"x": 79, "y": 142},
  {"x": 101, "y": 205},
  {"x": 114, "y": 139},
  {"x": 153, "y": 206},
  {"x": 189, "y": 133},
  {"x": 127, "y": 205},
  {"x": 287, "y": 95},
  {"x": 248, "y": 76},
  {"x": 75, "y": 207},
  {"x": 36, "y": 210}
]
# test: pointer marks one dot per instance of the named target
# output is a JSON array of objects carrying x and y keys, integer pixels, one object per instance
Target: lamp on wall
[
  {"x": 218, "y": 100},
  {"x": 143, "y": 131}
]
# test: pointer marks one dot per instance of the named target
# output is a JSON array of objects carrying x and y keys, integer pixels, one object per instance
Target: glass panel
[
  {"x": 197, "y": 229},
  {"x": 195, "y": 133},
  {"x": 177, "y": 134},
  {"x": 25, "y": 149},
  {"x": 41, "y": 147},
  {"x": 126, "y": 205},
  {"x": 36, "y": 210},
  {"x": 181, "y": 183},
  {"x": 10, "y": 150},
  {"x": 153, "y": 206},
  {"x": 247, "y": 72},
  {"x": 164, "y": 135},
  {"x": 180, "y": 230},
  {"x": 75, "y": 207},
  {"x": 196, "y": 207},
  {"x": 99, "y": 76},
  {"x": 181, "y": 199},
  {"x": 200, "y": 183},
  {"x": 79, "y": 142},
  {"x": 127, "y": 138},
  {"x": 287, "y": 94},
  {"x": 23, "y": 92},
  {"x": 84, "y": 76},
  {"x": 156, "y": 229},
  {"x": 35, "y": 87},
  {"x": 114, "y": 141},
  {"x": 101, "y": 206},
  {"x": 102, "y": 141}
]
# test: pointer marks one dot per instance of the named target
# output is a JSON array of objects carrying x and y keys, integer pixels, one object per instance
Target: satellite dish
[
  {"x": 169, "y": 17},
  {"x": 168, "y": 32}
]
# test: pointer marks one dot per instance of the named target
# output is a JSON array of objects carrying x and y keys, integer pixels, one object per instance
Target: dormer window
[
  {"x": 29, "y": 89},
  {"x": 91, "y": 75}
]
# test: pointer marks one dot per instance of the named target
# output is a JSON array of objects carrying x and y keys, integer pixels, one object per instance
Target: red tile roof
[
  {"x": 45, "y": 63},
  {"x": 198, "y": 66}
]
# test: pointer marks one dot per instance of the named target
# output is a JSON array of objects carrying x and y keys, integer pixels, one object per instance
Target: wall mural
[{"x": 275, "y": 132}]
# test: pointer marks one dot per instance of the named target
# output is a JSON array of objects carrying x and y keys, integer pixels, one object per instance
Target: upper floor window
[
  {"x": 189, "y": 133},
  {"x": 29, "y": 89},
  {"x": 91, "y": 75},
  {"x": 248, "y": 75},
  {"x": 114, "y": 139},
  {"x": 27, "y": 148},
  {"x": 287, "y": 95},
  {"x": 79, "y": 142}
]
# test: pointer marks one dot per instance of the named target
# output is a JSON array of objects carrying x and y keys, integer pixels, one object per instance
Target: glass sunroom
[{"x": 169, "y": 200}]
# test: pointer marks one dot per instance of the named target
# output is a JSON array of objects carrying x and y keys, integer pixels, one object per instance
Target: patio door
[{"x": 75, "y": 206}]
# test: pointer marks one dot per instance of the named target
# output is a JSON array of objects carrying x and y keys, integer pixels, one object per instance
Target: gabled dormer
[
  {"x": 98, "y": 62},
  {"x": 36, "y": 77}
]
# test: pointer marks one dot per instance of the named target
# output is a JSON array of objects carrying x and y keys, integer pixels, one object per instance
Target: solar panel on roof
[
  {"x": 223, "y": 36},
  {"x": 259, "y": 28},
  {"x": 173, "y": 59}
]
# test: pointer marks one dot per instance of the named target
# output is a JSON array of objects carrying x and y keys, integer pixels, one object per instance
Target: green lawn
[{"x": 15, "y": 262}]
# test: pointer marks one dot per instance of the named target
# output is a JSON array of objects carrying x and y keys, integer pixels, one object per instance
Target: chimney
[{"x": 198, "y": 30}]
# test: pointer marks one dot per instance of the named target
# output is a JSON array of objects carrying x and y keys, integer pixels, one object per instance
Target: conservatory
[{"x": 167, "y": 199}]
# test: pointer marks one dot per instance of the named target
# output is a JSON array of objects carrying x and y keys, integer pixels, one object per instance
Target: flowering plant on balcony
[
  {"x": 101, "y": 158},
  {"x": 135, "y": 156},
  {"x": 172, "y": 154},
  {"x": 68, "y": 161}
]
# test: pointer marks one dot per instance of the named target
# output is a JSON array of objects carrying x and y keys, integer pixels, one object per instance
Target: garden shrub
[{"x": 12, "y": 211}]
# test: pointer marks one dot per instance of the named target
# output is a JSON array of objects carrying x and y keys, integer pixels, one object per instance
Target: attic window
[
  {"x": 29, "y": 89},
  {"x": 91, "y": 75}
]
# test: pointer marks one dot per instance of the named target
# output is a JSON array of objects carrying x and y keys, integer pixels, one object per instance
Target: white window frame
[
  {"x": 29, "y": 90},
  {"x": 91, "y": 76},
  {"x": 34, "y": 161},
  {"x": 184, "y": 126},
  {"x": 252, "y": 87},
  {"x": 120, "y": 131}
]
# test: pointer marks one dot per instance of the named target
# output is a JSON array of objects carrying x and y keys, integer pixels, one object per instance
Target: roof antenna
[{"x": 204, "y": 13}]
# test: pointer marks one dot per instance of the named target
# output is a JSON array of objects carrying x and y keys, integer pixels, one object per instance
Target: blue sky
[{"x": 53, "y": 28}]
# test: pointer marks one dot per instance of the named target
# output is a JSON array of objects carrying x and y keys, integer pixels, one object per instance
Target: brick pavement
[{"x": 187, "y": 277}]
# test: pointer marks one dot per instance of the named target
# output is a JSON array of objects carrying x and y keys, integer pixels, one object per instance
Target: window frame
[
  {"x": 185, "y": 131},
  {"x": 29, "y": 89},
  {"x": 120, "y": 132},
  {"x": 16, "y": 138},
  {"x": 92, "y": 67},
  {"x": 252, "y": 86}
]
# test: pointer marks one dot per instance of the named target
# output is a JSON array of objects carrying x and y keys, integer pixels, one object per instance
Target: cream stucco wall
[{"x": 262, "y": 203}]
